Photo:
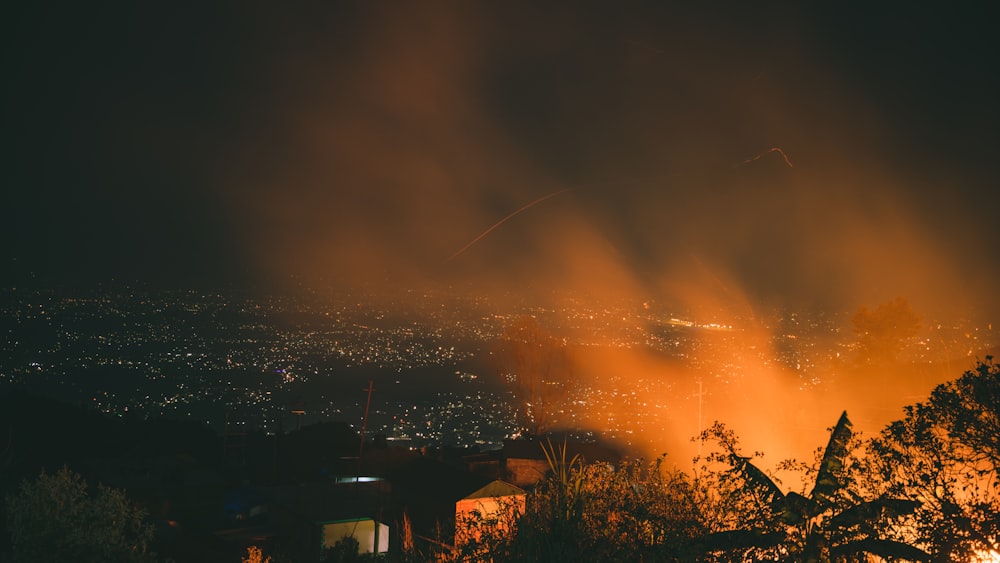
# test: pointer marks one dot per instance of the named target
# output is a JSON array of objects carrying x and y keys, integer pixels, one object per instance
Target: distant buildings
[{"x": 205, "y": 356}]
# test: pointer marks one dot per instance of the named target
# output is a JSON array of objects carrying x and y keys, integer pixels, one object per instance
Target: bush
[{"x": 56, "y": 518}]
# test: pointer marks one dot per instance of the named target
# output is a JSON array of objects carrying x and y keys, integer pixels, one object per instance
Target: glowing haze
[
  {"x": 433, "y": 152},
  {"x": 394, "y": 144},
  {"x": 724, "y": 161}
]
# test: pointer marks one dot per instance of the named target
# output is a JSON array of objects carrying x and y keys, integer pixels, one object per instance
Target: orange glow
[{"x": 393, "y": 160}]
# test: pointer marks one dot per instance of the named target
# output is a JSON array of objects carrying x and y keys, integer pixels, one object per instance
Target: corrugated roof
[{"x": 496, "y": 488}]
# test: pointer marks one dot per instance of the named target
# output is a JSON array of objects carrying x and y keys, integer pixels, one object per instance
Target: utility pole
[
  {"x": 361, "y": 451},
  {"x": 364, "y": 423}
]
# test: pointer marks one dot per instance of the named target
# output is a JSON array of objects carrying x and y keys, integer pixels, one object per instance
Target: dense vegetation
[
  {"x": 924, "y": 489},
  {"x": 57, "y": 518}
]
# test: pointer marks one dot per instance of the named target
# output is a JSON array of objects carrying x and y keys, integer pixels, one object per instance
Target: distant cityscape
[{"x": 275, "y": 364}]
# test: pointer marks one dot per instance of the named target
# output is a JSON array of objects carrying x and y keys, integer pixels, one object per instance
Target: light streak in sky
[
  {"x": 504, "y": 220},
  {"x": 773, "y": 149}
]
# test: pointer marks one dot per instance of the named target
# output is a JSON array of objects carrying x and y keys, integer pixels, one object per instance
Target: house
[
  {"x": 308, "y": 518},
  {"x": 490, "y": 509},
  {"x": 524, "y": 463},
  {"x": 372, "y": 536}
]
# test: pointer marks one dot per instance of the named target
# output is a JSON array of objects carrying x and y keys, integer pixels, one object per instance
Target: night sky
[{"x": 367, "y": 143}]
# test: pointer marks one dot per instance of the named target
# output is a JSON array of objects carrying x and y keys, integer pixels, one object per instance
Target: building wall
[
  {"x": 525, "y": 472},
  {"x": 362, "y": 530},
  {"x": 475, "y": 516}
]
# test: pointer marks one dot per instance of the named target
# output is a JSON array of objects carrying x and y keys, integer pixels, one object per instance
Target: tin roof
[{"x": 496, "y": 488}]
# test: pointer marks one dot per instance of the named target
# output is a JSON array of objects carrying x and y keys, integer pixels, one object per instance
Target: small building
[
  {"x": 372, "y": 536},
  {"x": 524, "y": 463},
  {"x": 491, "y": 508},
  {"x": 312, "y": 517}
]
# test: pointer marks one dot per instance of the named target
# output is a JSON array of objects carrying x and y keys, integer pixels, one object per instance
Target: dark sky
[{"x": 351, "y": 143}]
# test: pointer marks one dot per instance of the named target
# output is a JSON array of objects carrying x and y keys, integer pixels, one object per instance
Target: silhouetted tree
[
  {"x": 56, "y": 518},
  {"x": 832, "y": 523},
  {"x": 344, "y": 551},
  {"x": 727, "y": 510},
  {"x": 882, "y": 333},
  {"x": 256, "y": 555},
  {"x": 536, "y": 368},
  {"x": 631, "y": 511},
  {"x": 946, "y": 453}
]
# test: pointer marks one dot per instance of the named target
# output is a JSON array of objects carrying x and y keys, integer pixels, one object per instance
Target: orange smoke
[{"x": 424, "y": 125}]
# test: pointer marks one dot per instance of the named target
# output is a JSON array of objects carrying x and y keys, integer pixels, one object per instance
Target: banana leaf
[
  {"x": 833, "y": 460},
  {"x": 797, "y": 508},
  {"x": 872, "y": 510},
  {"x": 757, "y": 479}
]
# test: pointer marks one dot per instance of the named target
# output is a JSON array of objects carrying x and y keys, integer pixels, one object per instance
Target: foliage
[
  {"x": 744, "y": 523},
  {"x": 925, "y": 490},
  {"x": 567, "y": 478},
  {"x": 634, "y": 511},
  {"x": 945, "y": 453},
  {"x": 482, "y": 536},
  {"x": 832, "y": 522},
  {"x": 56, "y": 518},
  {"x": 536, "y": 368},
  {"x": 727, "y": 510},
  {"x": 344, "y": 551},
  {"x": 255, "y": 555}
]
